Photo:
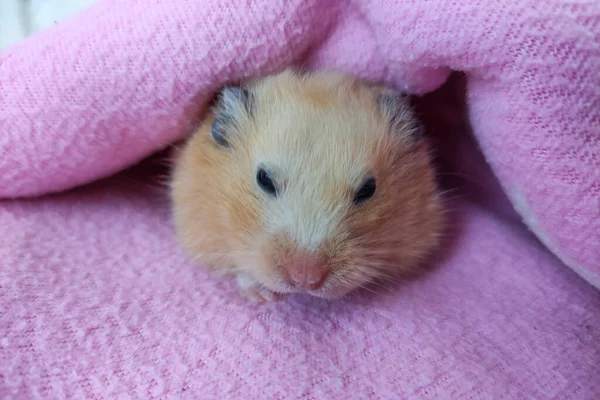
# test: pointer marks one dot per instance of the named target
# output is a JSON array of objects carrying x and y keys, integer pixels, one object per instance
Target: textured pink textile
[
  {"x": 97, "y": 304},
  {"x": 96, "y": 300}
]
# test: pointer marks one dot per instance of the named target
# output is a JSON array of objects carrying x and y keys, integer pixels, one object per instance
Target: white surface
[{"x": 21, "y": 18}]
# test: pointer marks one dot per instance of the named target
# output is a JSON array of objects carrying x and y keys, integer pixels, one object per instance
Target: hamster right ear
[{"x": 232, "y": 102}]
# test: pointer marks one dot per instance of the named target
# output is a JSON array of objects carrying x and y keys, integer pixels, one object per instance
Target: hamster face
[{"x": 315, "y": 183}]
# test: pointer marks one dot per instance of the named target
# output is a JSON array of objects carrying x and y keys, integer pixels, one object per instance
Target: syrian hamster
[{"x": 315, "y": 183}]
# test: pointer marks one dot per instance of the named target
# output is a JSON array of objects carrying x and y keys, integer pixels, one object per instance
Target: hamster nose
[{"x": 306, "y": 273}]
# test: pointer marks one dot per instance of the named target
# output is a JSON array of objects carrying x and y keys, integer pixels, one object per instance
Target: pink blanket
[{"x": 97, "y": 301}]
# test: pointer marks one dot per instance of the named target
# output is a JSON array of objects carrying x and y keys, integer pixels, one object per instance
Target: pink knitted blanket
[{"x": 96, "y": 300}]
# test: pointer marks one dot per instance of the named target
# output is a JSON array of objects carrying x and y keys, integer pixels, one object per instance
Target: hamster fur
[{"x": 307, "y": 182}]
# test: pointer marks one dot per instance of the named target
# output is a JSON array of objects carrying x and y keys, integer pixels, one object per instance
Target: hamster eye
[
  {"x": 264, "y": 180},
  {"x": 366, "y": 191}
]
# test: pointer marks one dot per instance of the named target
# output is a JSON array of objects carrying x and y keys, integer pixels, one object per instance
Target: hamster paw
[{"x": 254, "y": 291}]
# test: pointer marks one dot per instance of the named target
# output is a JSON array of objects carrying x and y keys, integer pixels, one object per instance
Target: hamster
[{"x": 316, "y": 183}]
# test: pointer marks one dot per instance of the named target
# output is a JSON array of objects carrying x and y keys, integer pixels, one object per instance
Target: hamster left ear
[
  {"x": 398, "y": 111},
  {"x": 232, "y": 102}
]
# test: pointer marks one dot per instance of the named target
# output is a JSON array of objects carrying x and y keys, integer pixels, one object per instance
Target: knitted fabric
[{"x": 97, "y": 301}]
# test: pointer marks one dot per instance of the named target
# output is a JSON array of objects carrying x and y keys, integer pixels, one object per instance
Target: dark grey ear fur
[
  {"x": 397, "y": 108},
  {"x": 232, "y": 100}
]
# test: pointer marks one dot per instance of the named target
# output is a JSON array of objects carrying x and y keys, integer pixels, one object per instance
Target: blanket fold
[
  {"x": 120, "y": 81},
  {"x": 103, "y": 90}
]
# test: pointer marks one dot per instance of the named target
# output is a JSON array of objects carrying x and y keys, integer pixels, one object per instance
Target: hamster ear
[
  {"x": 398, "y": 111},
  {"x": 232, "y": 102}
]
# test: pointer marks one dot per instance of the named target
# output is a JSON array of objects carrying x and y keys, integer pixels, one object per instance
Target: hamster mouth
[
  {"x": 327, "y": 292},
  {"x": 285, "y": 288},
  {"x": 330, "y": 288},
  {"x": 332, "y": 293}
]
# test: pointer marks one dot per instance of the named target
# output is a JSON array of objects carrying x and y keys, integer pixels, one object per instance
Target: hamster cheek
[{"x": 254, "y": 290}]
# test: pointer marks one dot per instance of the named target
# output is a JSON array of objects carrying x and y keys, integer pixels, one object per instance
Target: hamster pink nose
[{"x": 306, "y": 273}]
